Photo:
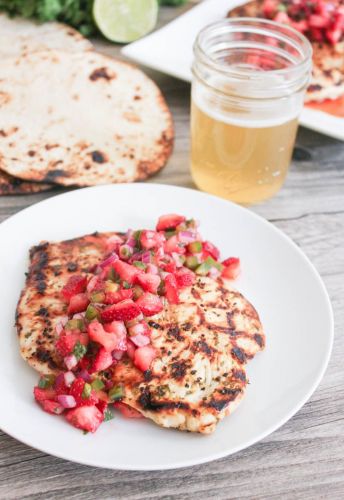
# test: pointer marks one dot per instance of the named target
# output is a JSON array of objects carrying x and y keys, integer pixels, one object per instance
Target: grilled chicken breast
[
  {"x": 203, "y": 344},
  {"x": 40, "y": 306}
]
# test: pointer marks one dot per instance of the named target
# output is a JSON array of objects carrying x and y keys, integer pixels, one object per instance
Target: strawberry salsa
[
  {"x": 108, "y": 315},
  {"x": 320, "y": 20}
]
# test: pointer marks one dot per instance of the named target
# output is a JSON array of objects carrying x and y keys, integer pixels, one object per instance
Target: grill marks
[
  {"x": 40, "y": 305},
  {"x": 199, "y": 373}
]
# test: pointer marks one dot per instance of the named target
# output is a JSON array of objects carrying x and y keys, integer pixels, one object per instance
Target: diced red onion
[
  {"x": 113, "y": 242},
  {"x": 109, "y": 260},
  {"x": 70, "y": 361},
  {"x": 146, "y": 257},
  {"x": 59, "y": 328},
  {"x": 152, "y": 269},
  {"x": 213, "y": 272},
  {"x": 160, "y": 252},
  {"x": 109, "y": 384},
  {"x": 131, "y": 242},
  {"x": 59, "y": 379},
  {"x": 177, "y": 259},
  {"x": 138, "y": 329},
  {"x": 84, "y": 375},
  {"x": 140, "y": 340},
  {"x": 79, "y": 315},
  {"x": 125, "y": 252},
  {"x": 66, "y": 400},
  {"x": 69, "y": 378},
  {"x": 186, "y": 236},
  {"x": 92, "y": 283},
  {"x": 117, "y": 355}
]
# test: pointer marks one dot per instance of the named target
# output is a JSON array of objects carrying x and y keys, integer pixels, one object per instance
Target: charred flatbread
[
  {"x": 20, "y": 36},
  {"x": 12, "y": 185},
  {"x": 81, "y": 119}
]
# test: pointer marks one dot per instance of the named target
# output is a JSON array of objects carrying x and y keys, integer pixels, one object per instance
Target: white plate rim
[
  {"x": 313, "y": 119},
  {"x": 246, "y": 444}
]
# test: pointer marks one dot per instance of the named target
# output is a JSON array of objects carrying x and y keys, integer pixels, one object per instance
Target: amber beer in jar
[{"x": 249, "y": 79}]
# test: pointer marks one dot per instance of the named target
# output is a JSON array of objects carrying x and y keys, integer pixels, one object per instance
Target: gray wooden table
[{"x": 302, "y": 460}]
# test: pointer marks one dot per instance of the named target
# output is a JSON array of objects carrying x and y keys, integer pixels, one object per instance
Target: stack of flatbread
[{"x": 71, "y": 116}]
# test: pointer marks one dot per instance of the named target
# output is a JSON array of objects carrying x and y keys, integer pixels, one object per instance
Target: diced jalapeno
[
  {"x": 140, "y": 265},
  {"x": 97, "y": 384},
  {"x": 117, "y": 392},
  {"x": 86, "y": 393},
  {"x": 47, "y": 381},
  {"x": 191, "y": 262},
  {"x": 195, "y": 247},
  {"x": 97, "y": 297},
  {"x": 75, "y": 324},
  {"x": 92, "y": 312}
]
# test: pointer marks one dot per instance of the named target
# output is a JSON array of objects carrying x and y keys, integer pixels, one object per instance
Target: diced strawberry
[
  {"x": 131, "y": 348},
  {"x": 87, "y": 418},
  {"x": 123, "y": 311},
  {"x": 95, "y": 284},
  {"x": 113, "y": 242},
  {"x": 102, "y": 406},
  {"x": 282, "y": 17},
  {"x": 170, "y": 267},
  {"x": 66, "y": 343},
  {"x": 119, "y": 329},
  {"x": 76, "y": 391},
  {"x": 171, "y": 289},
  {"x": 126, "y": 271},
  {"x": 174, "y": 245},
  {"x": 140, "y": 340},
  {"x": 60, "y": 385},
  {"x": 269, "y": 8},
  {"x": 97, "y": 333},
  {"x": 149, "y": 239},
  {"x": 78, "y": 303},
  {"x": 169, "y": 221},
  {"x": 232, "y": 268},
  {"x": 149, "y": 282},
  {"x": 149, "y": 304},
  {"x": 333, "y": 36},
  {"x": 75, "y": 284},
  {"x": 211, "y": 249},
  {"x": 127, "y": 411},
  {"x": 115, "y": 297},
  {"x": 316, "y": 21},
  {"x": 102, "y": 361},
  {"x": 144, "y": 356},
  {"x": 139, "y": 329},
  {"x": 52, "y": 407},
  {"x": 185, "y": 277},
  {"x": 43, "y": 394}
]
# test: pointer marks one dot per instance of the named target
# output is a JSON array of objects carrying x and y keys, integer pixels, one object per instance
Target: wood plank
[{"x": 302, "y": 460}]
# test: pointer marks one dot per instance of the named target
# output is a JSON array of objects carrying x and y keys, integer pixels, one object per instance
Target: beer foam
[{"x": 282, "y": 112}]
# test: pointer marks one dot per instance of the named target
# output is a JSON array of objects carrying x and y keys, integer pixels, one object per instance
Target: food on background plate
[
  {"x": 146, "y": 321},
  {"x": 11, "y": 185},
  {"x": 322, "y": 22},
  {"x": 97, "y": 120},
  {"x": 21, "y": 36}
]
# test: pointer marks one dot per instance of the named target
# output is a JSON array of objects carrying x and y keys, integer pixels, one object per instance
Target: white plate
[
  {"x": 170, "y": 50},
  {"x": 277, "y": 277}
]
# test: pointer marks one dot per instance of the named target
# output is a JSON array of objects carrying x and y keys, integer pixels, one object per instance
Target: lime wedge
[{"x": 124, "y": 21}]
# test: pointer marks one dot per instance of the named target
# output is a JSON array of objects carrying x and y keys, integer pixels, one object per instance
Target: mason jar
[{"x": 249, "y": 81}]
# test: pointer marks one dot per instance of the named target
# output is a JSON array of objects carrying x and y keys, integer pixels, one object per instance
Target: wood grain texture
[{"x": 302, "y": 460}]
